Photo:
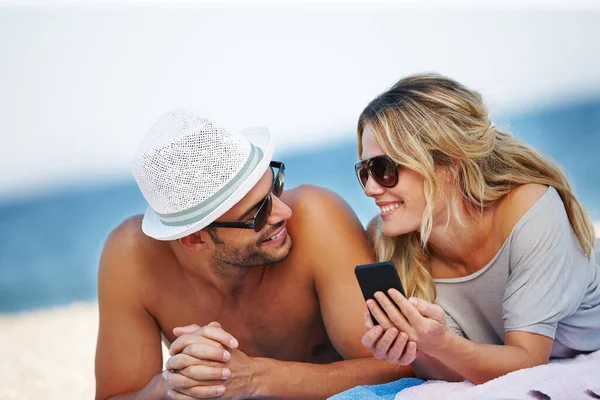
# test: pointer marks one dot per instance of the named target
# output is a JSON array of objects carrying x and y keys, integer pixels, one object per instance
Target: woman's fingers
[
  {"x": 379, "y": 314},
  {"x": 409, "y": 311},
  {"x": 384, "y": 344},
  {"x": 397, "y": 349},
  {"x": 427, "y": 309},
  {"x": 371, "y": 337},
  {"x": 410, "y": 354},
  {"x": 393, "y": 314},
  {"x": 368, "y": 321}
]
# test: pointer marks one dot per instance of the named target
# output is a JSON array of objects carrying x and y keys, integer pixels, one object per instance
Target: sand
[{"x": 49, "y": 354}]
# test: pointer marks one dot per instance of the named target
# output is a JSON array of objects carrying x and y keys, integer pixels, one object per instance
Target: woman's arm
[
  {"x": 425, "y": 324},
  {"x": 480, "y": 363}
]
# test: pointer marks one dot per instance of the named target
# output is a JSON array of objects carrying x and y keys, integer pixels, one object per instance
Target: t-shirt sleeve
[
  {"x": 453, "y": 325},
  {"x": 543, "y": 284}
]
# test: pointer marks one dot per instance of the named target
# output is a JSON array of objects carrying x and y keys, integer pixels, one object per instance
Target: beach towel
[
  {"x": 565, "y": 379},
  {"x": 386, "y": 391},
  {"x": 568, "y": 379}
]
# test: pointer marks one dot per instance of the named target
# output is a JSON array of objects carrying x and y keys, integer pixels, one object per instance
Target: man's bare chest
[{"x": 282, "y": 322}]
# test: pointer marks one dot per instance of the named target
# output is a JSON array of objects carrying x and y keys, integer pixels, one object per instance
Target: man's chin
[{"x": 278, "y": 255}]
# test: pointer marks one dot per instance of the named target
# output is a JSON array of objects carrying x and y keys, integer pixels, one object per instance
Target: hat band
[{"x": 196, "y": 213}]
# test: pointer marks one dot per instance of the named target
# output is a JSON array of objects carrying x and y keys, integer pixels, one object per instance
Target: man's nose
[{"x": 280, "y": 211}]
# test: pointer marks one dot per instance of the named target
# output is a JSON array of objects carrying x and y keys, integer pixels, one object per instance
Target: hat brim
[{"x": 152, "y": 224}]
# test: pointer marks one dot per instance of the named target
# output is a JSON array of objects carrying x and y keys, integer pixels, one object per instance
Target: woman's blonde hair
[{"x": 425, "y": 121}]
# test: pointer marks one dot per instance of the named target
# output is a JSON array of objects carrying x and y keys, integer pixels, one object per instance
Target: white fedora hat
[{"x": 191, "y": 171}]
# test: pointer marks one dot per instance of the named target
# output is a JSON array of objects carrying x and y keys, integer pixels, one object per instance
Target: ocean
[{"x": 50, "y": 245}]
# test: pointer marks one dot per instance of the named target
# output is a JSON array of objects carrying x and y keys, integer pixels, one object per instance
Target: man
[{"x": 211, "y": 267}]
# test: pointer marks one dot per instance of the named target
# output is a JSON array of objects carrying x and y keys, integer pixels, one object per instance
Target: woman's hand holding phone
[
  {"x": 388, "y": 343},
  {"x": 396, "y": 326},
  {"x": 424, "y": 323}
]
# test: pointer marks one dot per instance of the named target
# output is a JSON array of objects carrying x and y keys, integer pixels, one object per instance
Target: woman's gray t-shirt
[{"x": 540, "y": 282}]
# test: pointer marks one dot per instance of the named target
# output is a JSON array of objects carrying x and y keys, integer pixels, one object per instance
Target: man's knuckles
[
  {"x": 203, "y": 392},
  {"x": 204, "y": 351},
  {"x": 206, "y": 373},
  {"x": 178, "y": 380}
]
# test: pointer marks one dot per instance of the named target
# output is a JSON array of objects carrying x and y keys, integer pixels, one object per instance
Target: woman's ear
[{"x": 450, "y": 173}]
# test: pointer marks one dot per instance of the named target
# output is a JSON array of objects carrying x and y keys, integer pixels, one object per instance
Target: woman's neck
[{"x": 462, "y": 248}]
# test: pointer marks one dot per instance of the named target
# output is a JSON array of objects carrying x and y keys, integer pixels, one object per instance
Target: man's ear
[{"x": 196, "y": 240}]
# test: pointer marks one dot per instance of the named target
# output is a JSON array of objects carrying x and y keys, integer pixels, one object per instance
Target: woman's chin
[{"x": 390, "y": 230}]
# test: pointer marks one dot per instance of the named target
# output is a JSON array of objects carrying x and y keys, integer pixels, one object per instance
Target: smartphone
[{"x": 378, "y": 277}]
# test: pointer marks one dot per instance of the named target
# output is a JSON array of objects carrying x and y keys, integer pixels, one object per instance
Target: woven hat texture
[{"x": 192, "y": 170}]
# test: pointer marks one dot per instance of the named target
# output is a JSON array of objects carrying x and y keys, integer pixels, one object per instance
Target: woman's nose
[{"x": 372, "y": 188}]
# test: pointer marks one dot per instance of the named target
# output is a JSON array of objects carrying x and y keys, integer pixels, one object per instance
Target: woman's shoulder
[{"x": 513, "y": 207}]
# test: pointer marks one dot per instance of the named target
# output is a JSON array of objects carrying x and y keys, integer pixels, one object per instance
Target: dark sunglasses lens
[
  {"x": 384, "y": 171},
  {"x": 363, "y": 175},
  {"x": 278, "y": 184},
  {"x": 263, "y": 213}
]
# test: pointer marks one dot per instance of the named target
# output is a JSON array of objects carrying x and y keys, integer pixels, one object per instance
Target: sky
[{"x": 81, "y": 83}]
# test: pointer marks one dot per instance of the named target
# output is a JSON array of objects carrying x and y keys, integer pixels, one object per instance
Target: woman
[{"x": 494, "y": 250}]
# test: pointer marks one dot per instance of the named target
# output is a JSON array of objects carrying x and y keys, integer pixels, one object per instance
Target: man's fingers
[
  {"x": 182, "y": 342},
  {"x": 384, "y": 344},
  {"x": 204, "y": 373},
  {"x": 178, "y": 381},
  {"x": 206, "y": 352},
  {"x": 218, "y": 334},
  {"x": 215, "y": 323},
  {"x": 194, "y": 354},
  {"x": 379, "y": 314},
  {"x": 175, "y": 395},
  {"x": 182, "y": 330},
  {"x": 410, "y": 354},
  {"x": 370, "y": 338},
  {"x": 397, "y": 348},
  {"x": 197, "y": 392},
  {"x": 209, "y": 334}
]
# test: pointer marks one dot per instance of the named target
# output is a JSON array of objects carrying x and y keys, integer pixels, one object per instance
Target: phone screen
[{"x": 378, "y": 277}]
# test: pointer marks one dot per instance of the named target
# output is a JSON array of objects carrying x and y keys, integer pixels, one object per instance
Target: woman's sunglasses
[
  {"x": 260, "y": 218},
  {"x": 382, "y": 169}
]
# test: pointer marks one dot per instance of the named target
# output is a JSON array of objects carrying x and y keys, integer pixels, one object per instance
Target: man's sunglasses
[
  {"x": 382, "y": 169},
  {"x": 260, "y": 218}
]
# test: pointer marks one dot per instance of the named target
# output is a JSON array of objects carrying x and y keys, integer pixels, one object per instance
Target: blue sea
[{"x": 50, "y": 245}]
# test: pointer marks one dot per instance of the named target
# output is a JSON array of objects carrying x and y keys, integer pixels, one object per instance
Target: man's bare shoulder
[
  {"x": 323, "y": 221},
  {"x": 128, "y": 230},
  {"x": 310, "y": 199},
  {"x": 127, "y": 245}
]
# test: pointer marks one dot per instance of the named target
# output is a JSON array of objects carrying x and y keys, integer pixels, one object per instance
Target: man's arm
[
  {"x": 338, "y": 243},
  {"x": 128, "y": 352},
  {"x": 293, "y": 380}
]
